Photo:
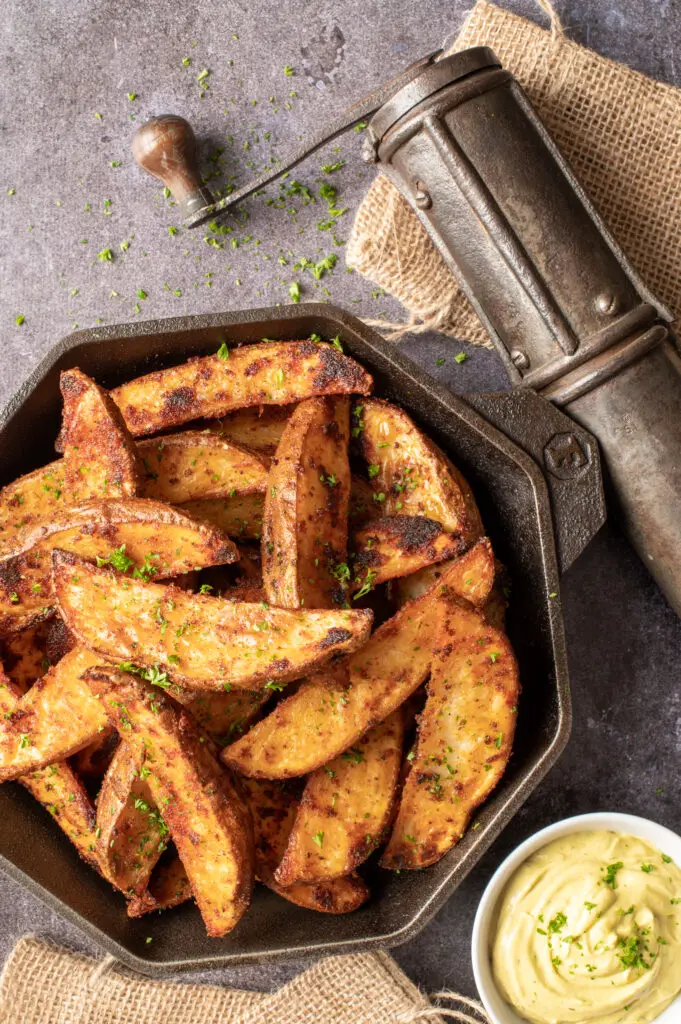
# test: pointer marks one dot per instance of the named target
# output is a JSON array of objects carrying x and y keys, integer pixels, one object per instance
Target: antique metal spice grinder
[{"x": 567, "y": 313}]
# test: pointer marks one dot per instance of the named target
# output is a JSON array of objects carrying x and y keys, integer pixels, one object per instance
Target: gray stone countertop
[{"x": 76, "y": 78}]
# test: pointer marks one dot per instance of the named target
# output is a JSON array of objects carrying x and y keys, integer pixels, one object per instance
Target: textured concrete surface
[{"x": 69, "y": 190}]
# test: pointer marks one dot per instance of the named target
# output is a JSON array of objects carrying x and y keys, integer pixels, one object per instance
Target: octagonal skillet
[{"x": 536, "y": 477}]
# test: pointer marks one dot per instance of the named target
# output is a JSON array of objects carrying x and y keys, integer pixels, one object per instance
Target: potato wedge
[
  {"x": 397, "y": 546},
  {"x": 201, "y": 642},
  {"x": 410, "y": 475},
  {"x": 29, "y": 500},
  {"x": 362, "y": 509},
  {"x": 305, "y": 530},
  {"x": 464, "y": 741},
  {"x": 136, "y": 533},
  {"x": 259, "y": 427},
  {"x": 208, "y": 823},
  {"x": 198, "y": 465},
  {"x": 100, "y": 457},
  {"x": 345, "y": 808},
  {"x": 131, "y": 834},
  {"x": 24, "y": 656},
  {"x": 271, "y": 373},
  {"x": 169, "y": 886},
  {"x": 91, "y": 763},
  {"x": 273, "y": 807},
  {"x": 57, "y": 717},
  {"x": 330, "y": 712},
  {"x": 56, "y": 787},
  {"x": 223, "y": 716},
  {"x": 239, "y": 517}
]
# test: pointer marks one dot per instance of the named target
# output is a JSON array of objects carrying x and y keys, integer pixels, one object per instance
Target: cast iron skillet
[{"x": 514, "y": 500}]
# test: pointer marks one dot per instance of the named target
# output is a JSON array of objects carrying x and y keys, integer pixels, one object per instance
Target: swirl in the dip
[{"x": 588, "y": 930}]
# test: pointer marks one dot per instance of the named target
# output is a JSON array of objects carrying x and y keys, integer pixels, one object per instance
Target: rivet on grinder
[
  {"x": 422, "y": 196},
  {"x": 607, "y": 304},
  {"x": 519, "y": 359}
]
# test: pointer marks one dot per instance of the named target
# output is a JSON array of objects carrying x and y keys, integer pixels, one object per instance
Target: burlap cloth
[
  {"x": 620, "y": 130},
  {"x": 43, "y": 984}
]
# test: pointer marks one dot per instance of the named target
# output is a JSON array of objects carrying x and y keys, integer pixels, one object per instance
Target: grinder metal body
[{"x": 568, "y": 314}]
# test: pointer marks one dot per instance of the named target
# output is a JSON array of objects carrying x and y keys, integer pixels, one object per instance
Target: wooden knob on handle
[{"x": 166, "y": 148}]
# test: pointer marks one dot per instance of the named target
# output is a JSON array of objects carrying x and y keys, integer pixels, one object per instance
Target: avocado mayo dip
[{"x": 588, "y": 930}]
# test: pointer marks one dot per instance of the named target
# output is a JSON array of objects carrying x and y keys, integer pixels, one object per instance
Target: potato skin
[
  {"x": 100, "y": 457},
  {"x": 398, "y": 546},
  {"x": 465, "y": 736},
  {"x": 270, "y": 373},
  {"x": 201, "y": 642},
  {"x": 413, "y": 475},
  {"x": 345, "y": 808},
  {"x": 273, "y": 807},
  {"x": 331, "y": 711},
  {"x": 305, "y": 528},
  {"x": 167, "y": 541},
  {"x": 209, "y": 825}
]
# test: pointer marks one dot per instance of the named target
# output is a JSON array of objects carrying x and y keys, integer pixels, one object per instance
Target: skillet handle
[{"x": 568, "y": 456}]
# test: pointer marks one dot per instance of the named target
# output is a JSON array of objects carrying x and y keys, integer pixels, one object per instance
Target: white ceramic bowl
[{"x": 626, "y": 824}]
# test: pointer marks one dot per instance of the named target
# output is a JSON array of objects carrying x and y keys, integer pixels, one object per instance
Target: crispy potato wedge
[
  {"x": 345, "y": 808},
  {"x": 131, "y": 834},
  {"x": 56, "y": 787},
  {"x": 201, "y": 642},
  {"x": 397, "y": 546},
  {"x": 240, "y": 517},
  {"x": 57, "y": 717},
  {"x": 271, "y": 373},
  {"x": 464, "y": 742},
  {"x": 209, "y": 825},
  {"x": 136, "y": 533},
  {"x": 362, "y": 508},
  {"x": 411, "y": 472},
  {"x": 198, "y": 465},
  {"x": 91, "y": 763},
  {"x": 169, "y": 886},
  {"x": 29, "y": 500},
  {"x": 259, "y": 427},
  {"x": 226, "y": 715},
  {"x": 100, "y": 457},
  {"x": 305, "y": 530},
  {"x": 273, "y": 807},
  {"x": 330, "y": 712},
  {"x": 24, "y": 656}
]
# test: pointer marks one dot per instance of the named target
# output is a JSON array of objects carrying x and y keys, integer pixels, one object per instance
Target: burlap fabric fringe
[
  {"x": 43, "y": 984},
  {"x": 620, "y": 130}
]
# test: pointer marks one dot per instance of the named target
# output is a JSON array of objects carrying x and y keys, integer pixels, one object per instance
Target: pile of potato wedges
[{"x": 250, "y": 629}]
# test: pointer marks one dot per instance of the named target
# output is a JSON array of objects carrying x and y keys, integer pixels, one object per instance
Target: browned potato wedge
[
  {"x": 197, "y": 465},
  {"x": 397, "y": 546},
  {"x": 226, "y": 715},
  {"x": 136, "y": 533},
  {"x": 131, "y": 834},
  {"x": 240, "y": 517},
  {"x": 168, "y": 887},
  {"x": 305, "y": 531},
  {"x": 362, "y": 509},
  {"x": 92, "y": 761},
  {"x": 274, "y": 808},
  {"x": 330, "y": 712},
  {"x": 464, "y": 739},
  {"x": 29, "y": 500},
  {"x": 24, "y": 656},
  {"x": 271, "y": 373},
  {"x": 207, "y": 821},
  {"x": 259, "y": 427},
  {"x": 411, "y": 474},
  {"x": 100, "y": 458},
  {"x": 57, "y": 717},
  {"x": 345, "y": 808},
  {"x": 201, "y": 642}
]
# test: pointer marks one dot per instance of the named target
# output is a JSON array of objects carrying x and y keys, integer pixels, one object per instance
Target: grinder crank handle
[{"x": 166, "y": 148}]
